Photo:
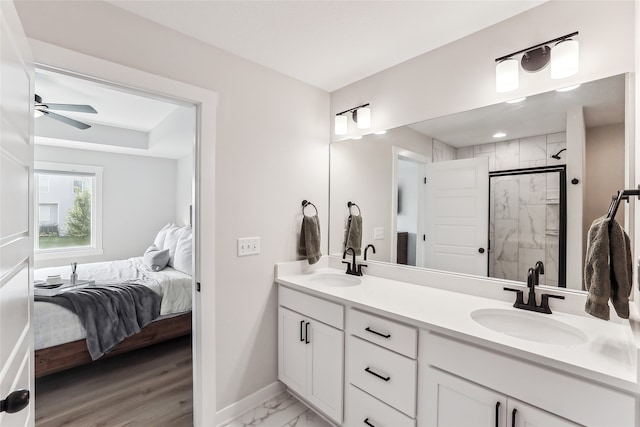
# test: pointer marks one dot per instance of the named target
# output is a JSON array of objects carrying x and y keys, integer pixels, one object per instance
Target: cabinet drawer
[
  {"x": 361, "y": 406},
  {"x": 316, "y": 308},
  {"x": 387, "y": 333},
  {"x": 384, "y": 374}
]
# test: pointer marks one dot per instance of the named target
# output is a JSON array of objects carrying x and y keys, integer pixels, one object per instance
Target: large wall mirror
[{"x": 490, "y": 191}]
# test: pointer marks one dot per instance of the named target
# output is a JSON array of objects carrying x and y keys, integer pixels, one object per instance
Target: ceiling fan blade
[
  {"x": 71, "y": 107},
  {"x": 67, "y": 120}
]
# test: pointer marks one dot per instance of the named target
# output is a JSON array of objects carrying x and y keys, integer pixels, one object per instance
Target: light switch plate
[
  {"x": 378, "y": 233},
  {"x": 248, "y": 246}
]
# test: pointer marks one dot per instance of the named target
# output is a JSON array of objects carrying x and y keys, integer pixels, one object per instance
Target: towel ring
[
  {"x": 350, "y": 205},
  {"x": 306, "y": 203}
]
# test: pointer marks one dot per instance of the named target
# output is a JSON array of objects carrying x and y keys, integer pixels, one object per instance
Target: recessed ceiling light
[
  {"x": 515, "y": 101},
  {"x": 499, "y": 134},
  {"x": 380, "y": 132},
  {"x": 568, "y": 88},
  {"x": 357, "y": 137}
]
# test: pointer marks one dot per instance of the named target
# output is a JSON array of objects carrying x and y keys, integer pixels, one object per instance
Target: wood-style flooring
[{"x": 148, "y": 387}]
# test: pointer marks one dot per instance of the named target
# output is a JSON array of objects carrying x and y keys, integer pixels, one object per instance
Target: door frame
[
  {"x": 95, "y": 69},
  {"x": 399, "y": 153}
]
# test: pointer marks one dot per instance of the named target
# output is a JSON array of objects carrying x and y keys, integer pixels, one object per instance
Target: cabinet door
[
  {"x": 292, "y": 360},
  {"x": 325, "y": 369},
  {"x": 528, "y": 416},
  {"x": 448, "y": 401}
]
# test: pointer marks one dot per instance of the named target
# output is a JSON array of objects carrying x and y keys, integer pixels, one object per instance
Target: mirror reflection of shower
[{"x": 527, "y": 223}]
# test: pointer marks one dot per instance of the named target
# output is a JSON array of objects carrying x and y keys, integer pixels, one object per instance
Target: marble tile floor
[{"x": 284, "y": 410}]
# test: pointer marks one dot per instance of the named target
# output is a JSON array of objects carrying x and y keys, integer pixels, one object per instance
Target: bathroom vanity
[{"x": 393, "y": 349}]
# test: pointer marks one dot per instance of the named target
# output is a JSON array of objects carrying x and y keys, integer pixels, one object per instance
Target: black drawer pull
[
  {"x": 366, "y": 421},
  {"x": 497, "y": 413},
  {"x": 513, "y": 418},
  {"x": 377, "y": 333},
  {"x": 306, "y": 333},
  {"x": 301, "y": 336},
  {"x": 376, "y": 374}
]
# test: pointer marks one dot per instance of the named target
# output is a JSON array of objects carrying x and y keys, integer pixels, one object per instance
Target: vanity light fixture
[
  {"x": 568, "y": 88},
  {"x": 563, "y": 56},
  {"x": 499, "y": 135},
  {"x": 361, "y": 115}
]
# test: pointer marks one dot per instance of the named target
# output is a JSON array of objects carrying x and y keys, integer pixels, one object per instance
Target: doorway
[{"x": 120, "y": 151}]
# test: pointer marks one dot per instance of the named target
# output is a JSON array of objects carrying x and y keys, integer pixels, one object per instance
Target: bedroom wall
[
  {"x": 139, "y": 197},
  {"x": 184, "y": 184},
  {"x": 264, "y": 168}
]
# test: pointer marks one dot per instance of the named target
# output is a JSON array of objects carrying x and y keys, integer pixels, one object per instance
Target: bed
[{"x": 59, "y": 336}]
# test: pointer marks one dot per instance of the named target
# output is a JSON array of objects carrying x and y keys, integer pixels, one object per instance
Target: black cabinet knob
[
  {"x": 481, "y": 250},
  {"x": 15, "y": 401}
]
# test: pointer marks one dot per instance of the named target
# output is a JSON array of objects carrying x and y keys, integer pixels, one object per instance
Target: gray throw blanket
[{"x": 109, "y": 313}]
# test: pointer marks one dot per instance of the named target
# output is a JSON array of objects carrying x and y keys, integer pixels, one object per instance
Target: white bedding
[{"x": 54, "y": 325}]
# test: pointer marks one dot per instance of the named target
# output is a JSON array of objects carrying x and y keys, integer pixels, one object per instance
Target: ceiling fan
[{"x": 44, "y": 109}]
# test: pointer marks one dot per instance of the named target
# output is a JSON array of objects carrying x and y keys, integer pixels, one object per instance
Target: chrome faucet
[{"x": 533, "y": 278}]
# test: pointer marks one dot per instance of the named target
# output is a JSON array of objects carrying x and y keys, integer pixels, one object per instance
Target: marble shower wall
[{"x": 524, "y": 217}]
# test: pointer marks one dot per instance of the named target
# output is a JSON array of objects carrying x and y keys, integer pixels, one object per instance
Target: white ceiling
[
  {"x": 328, "y": 44},
  {"x": 603, "y": 102}
]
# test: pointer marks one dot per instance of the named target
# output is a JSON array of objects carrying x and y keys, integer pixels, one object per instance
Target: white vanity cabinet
[
  {"x": 381, "y": 372},
  {"x": 311, "y": 350},
  {"x": 463, "y": 384},
  {"x": 450, "y": 401}
]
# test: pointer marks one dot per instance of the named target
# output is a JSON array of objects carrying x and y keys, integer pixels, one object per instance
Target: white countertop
[{"x": 608, "y": 356}]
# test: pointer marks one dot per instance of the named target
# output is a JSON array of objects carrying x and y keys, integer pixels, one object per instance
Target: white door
[
  {"x": 324, "y": 388},
  {"x": 292, "y": 360},
  {"x": 449, "y": 401},
  {"x": 16, "y": 229},
  {"x": 522, "y": 415},
  {"x": 457, "y": 216}
]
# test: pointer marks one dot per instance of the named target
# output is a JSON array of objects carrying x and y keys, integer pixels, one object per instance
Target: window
[{"x": 69, "y": 214}]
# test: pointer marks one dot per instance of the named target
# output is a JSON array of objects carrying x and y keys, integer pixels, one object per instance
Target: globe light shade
[
  {"x": 364, "y": 117},
  {"x": 565, "y": 59},
  {"x": 507, "y": 78},
  {"x": 341, "y": 125}
]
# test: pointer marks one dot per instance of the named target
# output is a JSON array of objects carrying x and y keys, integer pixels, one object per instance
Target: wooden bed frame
[{"x": 65, "y": 356}]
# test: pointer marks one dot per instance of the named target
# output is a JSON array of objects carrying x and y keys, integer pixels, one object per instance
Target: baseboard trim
[{"x": 243, "y": 405}]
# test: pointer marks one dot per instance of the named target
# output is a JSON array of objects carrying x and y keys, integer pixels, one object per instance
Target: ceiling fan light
[
  {"x": 565, "y": 59},
  {"x": 507, "y": 78},
  {"x": 363, "y": 117},
  {"x": 341, "y": 125}
]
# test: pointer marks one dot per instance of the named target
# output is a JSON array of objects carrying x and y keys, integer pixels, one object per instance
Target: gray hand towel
[
  {"x": 309, "y": 243},
  {"x": 353, "y": 234},
  {"x": 597, "y": 274},
  {"x": 621, "y": 269},
  {"x": 608, "y": 269}
]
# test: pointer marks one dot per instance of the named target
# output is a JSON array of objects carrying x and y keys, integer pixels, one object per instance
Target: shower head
[{"x": 557, "y": 155}]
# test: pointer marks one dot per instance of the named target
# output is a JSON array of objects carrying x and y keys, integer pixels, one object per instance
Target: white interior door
[
  {"x": 16, "y": 226},
  {"x": 457, "y": 216}
]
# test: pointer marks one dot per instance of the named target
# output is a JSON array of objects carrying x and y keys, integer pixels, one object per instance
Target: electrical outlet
[{"x": 248, "y": 246}]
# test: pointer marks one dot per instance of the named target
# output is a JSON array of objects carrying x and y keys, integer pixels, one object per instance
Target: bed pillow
[
  {"x": 171, "y": 240},
  {"x": 162, "y": 234},
  {"x": 155, "y": 258},
  {"x": 182, "y": 258}
]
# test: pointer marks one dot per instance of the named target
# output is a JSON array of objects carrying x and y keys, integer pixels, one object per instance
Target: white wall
[
  {"x": 139, "y": 197},
  {"x": 271, "y": 153},
  {"x": 184, "y": 189}
]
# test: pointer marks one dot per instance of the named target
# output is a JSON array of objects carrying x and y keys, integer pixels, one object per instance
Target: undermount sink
[
  {"x": 529, "y": 326},
  {"x": 333, "y": 279}
]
